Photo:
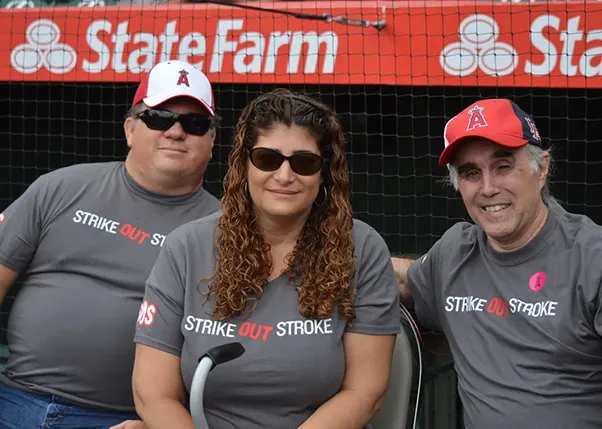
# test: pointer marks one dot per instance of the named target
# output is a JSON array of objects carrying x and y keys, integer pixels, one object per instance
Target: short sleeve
[
  {"x": 162, "y": 309},
  {"x": 21, "y": 225},
  {"x": 598, "y": 314},
  {"x": 422, "y": 277},
  {"x": 377, "y": 306}
]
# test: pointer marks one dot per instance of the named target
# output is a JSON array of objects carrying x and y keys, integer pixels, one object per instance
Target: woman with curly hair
[{"x": 285, "y": 270}]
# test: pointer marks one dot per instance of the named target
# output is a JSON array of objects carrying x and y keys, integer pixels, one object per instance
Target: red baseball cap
[
  {"x": 497, "y": 119},
  {"x": 171, "y": 79}
]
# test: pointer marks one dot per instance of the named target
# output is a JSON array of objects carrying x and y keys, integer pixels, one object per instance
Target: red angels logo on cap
[
  {"x": 183, "y": 79},
  {"x": 533, "y": 129},
  {"x": 477, "y": 119}
]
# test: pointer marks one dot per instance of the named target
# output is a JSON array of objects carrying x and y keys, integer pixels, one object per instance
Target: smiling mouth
[
  {"x": 283, "y": 192},
  {"x": 496, "y": 208},
  {"x": 172, "y": 149}
]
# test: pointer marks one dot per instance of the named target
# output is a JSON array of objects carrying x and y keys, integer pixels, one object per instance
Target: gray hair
[
  {"x": 135, "y": 111},
  {"x": 536, "y": 160}
]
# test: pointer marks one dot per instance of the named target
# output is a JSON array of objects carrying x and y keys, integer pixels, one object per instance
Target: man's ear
[
  {"x": 128, "y": 129},
  {"x": 544, "y": 168}
]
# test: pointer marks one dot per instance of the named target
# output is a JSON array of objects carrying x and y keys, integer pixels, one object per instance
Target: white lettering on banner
[
  {"x": 499, "y": 306},
  {"x": 588, "y": 65},
  {"x": 479, "y": 48},
  {"x": 260, "y": 53}
]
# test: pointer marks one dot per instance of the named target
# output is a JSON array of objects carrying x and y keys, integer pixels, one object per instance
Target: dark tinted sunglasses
[
  {"x": 303, "y": 163},
  {"x": 162, "y": 120}
]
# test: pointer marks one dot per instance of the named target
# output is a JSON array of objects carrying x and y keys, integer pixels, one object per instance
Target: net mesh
[{"x": 394, "y": 133}]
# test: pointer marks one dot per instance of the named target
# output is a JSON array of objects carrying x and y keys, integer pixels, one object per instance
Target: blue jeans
[{"x": 23, "y": 410}]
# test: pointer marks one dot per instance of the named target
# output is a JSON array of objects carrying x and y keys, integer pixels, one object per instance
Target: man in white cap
[
  {"x": 83, "y": 240},
  {"x": 516, "y": 293}
]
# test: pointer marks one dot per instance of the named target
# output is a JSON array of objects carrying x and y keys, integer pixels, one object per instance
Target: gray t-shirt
[
  {"x": 291, "y": 365},
  {"x": 523, "y": 327},
  {"x": 85, "y": 239}
]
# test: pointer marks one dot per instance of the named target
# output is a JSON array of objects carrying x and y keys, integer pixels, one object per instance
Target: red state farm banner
[{"x": 466, "y": 43}]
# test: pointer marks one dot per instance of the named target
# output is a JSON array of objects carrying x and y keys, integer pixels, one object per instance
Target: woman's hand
[
  {"x": 368, "y": 369},
  {"x": 130, "y": 424}
]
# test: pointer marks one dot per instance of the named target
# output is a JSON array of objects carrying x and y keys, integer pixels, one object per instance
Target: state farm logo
[
  {"x": 479, "y": 47},
  {"x": 114, "y": 45},
  {"x": 43, "y": 49}
]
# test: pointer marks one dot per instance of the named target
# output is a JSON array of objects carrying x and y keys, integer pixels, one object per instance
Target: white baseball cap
[{"x": 171, "y": 79}]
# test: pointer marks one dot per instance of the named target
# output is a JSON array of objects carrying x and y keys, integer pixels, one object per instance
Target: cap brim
[
  {"x": 502, "y": 139},
  {"x": 155, "y": 100}
]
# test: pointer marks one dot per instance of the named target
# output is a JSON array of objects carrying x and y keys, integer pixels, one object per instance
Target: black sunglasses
[
  {"x": 162, "y": 120},
  {"x": 303, "y": 163}
]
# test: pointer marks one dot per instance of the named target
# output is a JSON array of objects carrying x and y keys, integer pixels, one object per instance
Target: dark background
[{"x": 395, "y": 137}]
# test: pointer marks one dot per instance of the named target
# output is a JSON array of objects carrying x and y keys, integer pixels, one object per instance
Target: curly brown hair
[{"x": 322, "y": 264}]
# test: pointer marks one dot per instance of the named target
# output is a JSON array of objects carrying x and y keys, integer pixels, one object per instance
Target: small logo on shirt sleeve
[
  {"x": 146, "y": 315},
  {"x": 1, "y": 217}
]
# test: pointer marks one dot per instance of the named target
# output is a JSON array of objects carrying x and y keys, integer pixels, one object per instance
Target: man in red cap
[
  {"x": 83, "y": 239},
  {"x": 517, "y": 293}
]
